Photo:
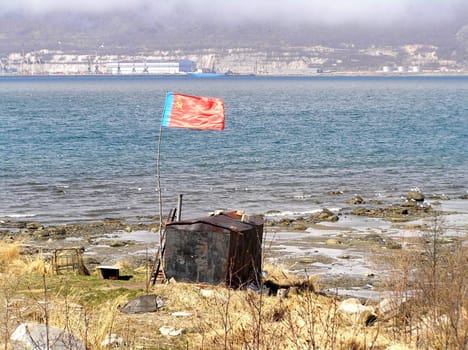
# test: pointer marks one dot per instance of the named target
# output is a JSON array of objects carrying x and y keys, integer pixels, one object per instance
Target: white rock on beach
[
  {"x": 181, "y": 314},
  {"x": 207, "y": 293},
  {"x": 165, "y": 330},
  {"x": 354, "y": 312},
  {"x": 389, "y": 307},
  {"x": 32, "y": 336},
  {"x": 171, "y": 331}
]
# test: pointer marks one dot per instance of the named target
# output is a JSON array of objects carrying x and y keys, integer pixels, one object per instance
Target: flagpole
[
  {"x": 158, "y": 189},
  {"x": 158, "y": 176}
]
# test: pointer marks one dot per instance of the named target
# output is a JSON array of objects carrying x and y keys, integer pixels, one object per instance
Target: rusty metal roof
[{"x": 231, "y": 221}]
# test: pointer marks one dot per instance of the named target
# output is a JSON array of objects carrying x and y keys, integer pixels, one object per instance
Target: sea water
[{"x": 86, "y": 148}]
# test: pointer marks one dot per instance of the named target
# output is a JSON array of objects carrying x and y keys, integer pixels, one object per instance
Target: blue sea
[{"x": 85, "y": 148}]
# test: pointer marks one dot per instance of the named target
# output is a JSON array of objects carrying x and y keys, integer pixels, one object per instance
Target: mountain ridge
[
  {"x": 281, "y": 47},
  {"x": 131, "y": 32}
]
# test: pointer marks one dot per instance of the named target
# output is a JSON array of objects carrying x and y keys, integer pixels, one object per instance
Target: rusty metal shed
[{"x": 224, "y": 248}]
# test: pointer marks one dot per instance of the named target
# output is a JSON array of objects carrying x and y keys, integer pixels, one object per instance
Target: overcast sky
[{"x": 314, "y": 11}]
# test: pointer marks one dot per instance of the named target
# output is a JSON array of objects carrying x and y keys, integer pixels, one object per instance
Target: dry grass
[
  {"x": 9, "y": 253},
  {"x": 222, "y": 318},
  {"x": 12, "y": 261},
  {"x": 430, "y": 281}
]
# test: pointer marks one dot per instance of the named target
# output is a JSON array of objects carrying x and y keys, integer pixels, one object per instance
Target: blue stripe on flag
[{"x": 167, "y": 109}]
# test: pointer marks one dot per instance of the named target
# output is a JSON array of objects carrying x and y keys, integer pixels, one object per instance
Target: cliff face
[{"x": 280, "y": 61}]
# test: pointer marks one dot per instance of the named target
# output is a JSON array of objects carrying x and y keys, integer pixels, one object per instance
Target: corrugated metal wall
[{"x": 217, "y": 249}]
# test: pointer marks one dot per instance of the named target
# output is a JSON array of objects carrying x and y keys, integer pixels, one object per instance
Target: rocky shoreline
[{"x": 336, "y": 245}]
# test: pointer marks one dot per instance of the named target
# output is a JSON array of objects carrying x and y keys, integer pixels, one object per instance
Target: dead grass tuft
[
  {"x": 9, "y": 252},
  {"x": 12, "y": 261}
]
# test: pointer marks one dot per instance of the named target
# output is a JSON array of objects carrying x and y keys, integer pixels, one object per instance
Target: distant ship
[
  {"x": 230, "y": 73},
  {"x": 213, "y": 74},
  {"x": 205, "y": 74}
]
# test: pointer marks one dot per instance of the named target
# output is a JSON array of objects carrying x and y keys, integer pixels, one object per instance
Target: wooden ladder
[{"x": 157, "y": 273}]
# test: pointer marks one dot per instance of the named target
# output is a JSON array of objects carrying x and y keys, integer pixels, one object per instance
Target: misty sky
[{"x": 372, "y": 12}]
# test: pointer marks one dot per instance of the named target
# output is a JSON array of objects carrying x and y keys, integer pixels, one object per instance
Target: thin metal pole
[
  {"x": 158, "y": 187},
  {"x": 179, "y": 207}
]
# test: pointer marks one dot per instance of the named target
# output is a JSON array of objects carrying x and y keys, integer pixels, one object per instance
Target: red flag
[{"x": 193, "y": 112}]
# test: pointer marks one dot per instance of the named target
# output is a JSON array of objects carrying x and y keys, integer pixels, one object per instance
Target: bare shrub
[{"x": 430, "y": 284}]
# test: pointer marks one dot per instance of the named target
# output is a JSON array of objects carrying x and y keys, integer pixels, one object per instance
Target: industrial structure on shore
[
  {"x": 314, "y": 60},
  {"x": 150, "y": 67},
  {"x": 45, "y": 63}
]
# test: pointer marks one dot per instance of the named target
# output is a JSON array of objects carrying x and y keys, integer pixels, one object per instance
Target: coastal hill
[{"x": 261, "y": 47}]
